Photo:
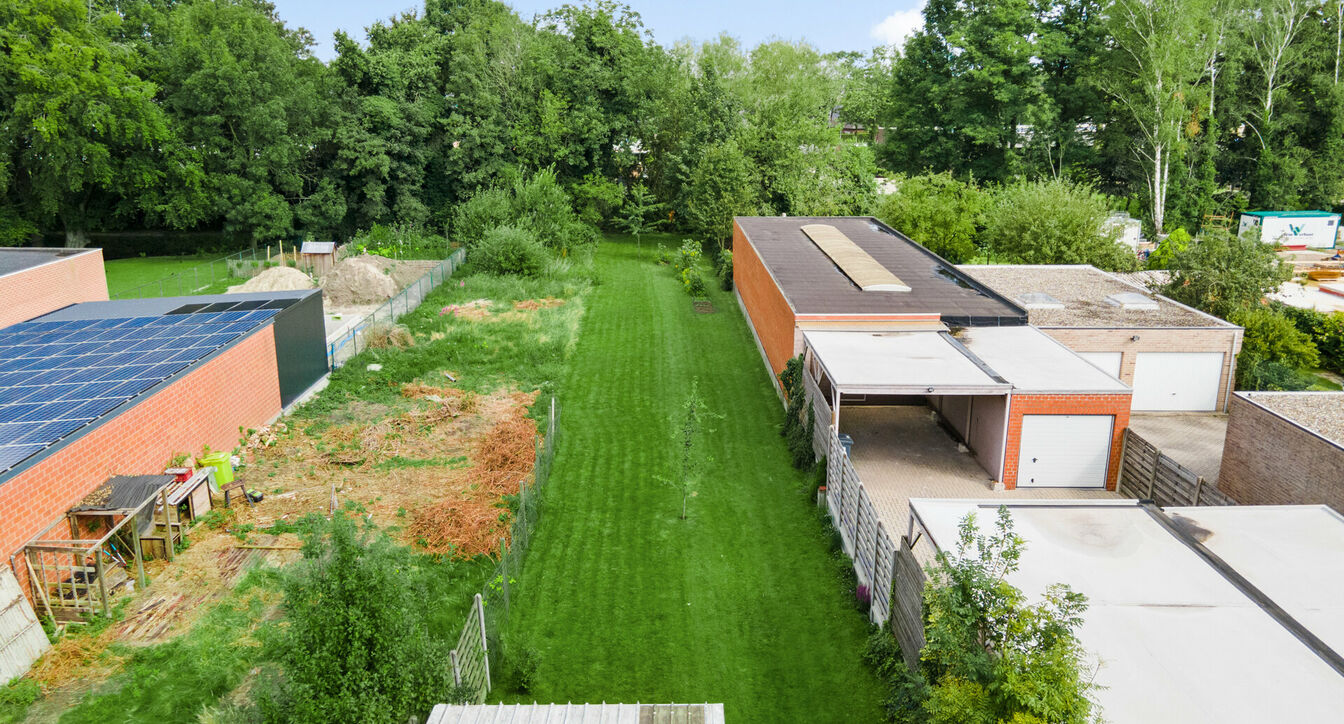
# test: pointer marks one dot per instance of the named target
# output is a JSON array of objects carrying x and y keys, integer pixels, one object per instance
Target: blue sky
[{"x": 857, "y": 25}]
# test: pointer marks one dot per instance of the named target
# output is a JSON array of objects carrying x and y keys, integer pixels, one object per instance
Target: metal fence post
[{"x": 504, "y": 571}]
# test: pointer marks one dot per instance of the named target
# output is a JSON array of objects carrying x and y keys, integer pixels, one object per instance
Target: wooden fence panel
[
  {"x": 907, "y": 615},
  {"x": 821, "y": 431},
  {"x": 849, "y": 513},
  {"x": 471, "y": 659},
  {"x": 865, "y": 537},
  {"x": 883, "y": 573},
  {"x": 1145, "y": 472},
  {"x": 22, "y": 639}
]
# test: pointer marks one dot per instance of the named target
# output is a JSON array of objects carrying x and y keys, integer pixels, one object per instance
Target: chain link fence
[
  {"x": 484, "y": 642},
  {"x": 237, "y": 266},
  {"x": 353, "y": 341}
]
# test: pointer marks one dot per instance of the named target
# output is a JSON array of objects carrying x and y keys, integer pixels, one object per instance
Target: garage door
[
  {"x": 1108, "y": 362},
  {"x": 1064, "y": 451},
  {"x": 1177, "y": 380}
]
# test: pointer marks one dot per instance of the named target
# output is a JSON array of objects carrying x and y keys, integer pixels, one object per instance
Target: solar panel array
[{"x": 57, "y": 377}]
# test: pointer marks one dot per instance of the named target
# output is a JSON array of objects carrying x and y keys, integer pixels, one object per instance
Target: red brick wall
[
  {"x": 1268, "y": 460},
  {"x": 769, "y": 313},
  {"x": 1117, "y": 405},
  {"x": 206, "y": 407},
  {"x": 60, "y": 283}
]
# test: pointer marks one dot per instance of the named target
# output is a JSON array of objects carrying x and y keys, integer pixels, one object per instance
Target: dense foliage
[
  {"x": 939, "y": 211},
  {"x": 990, "y": 655},
  {"x": 355, "y": 647},
  {"x": 1053, "y": 222},
  {"x": 1187, "y": 108},
  {"x": 1223, "y": 273}
]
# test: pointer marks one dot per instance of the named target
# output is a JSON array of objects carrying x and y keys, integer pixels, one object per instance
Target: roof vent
[
  {"x": 857, "y": 264},
  {"x": 1039, "y": 300},
  {"x": 1133, "y": 301}
]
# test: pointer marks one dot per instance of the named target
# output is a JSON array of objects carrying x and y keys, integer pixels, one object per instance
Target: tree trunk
[
  {"x": 76, "y": 238},
  {"x": 1159, "y": 189}
]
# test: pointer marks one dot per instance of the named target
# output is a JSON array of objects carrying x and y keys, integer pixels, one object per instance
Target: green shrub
[
  {"x": 508, "y": 250},
  {"x": 1326, "y": 332},
  {"x": 725, "y": 269},
  {"x": 15, "y": 698},
  {"x": 1273, "y": 337},
  {"x": 693, "y": 282},
  {"x": 1054, "y": 222},
  {"x": 797, "y": 433},
  {"x": 937, "y": 211},
  {"x": 1258, "y": 373},
  {"x": 538, "y": 204},
  {"x": 664, "y": 255},
  {"x": 1177, "y": 241},
  {"x": 357, "y": 647},
  {"x": 687, "y": 256}
]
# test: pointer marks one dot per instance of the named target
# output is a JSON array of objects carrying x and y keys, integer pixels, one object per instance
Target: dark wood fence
[
  {"x": 1147, "y": 473},
  {"x": 907, "y": 605}
]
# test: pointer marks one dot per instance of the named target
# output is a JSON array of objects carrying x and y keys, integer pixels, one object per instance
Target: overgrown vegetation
[
  {"x": 989, "y": 655},
  {"x": 797, "y": 433}
]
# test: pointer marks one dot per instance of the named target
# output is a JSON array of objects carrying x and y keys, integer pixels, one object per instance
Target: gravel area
[
  {"x": 1320, "y": 412},
  {"x": 1083, "y": 291}
]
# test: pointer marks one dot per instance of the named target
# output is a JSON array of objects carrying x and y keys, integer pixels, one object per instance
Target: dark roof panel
[{"x": 813, "y": 284}]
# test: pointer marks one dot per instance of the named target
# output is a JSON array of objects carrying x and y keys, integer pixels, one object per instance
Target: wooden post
[
  {"x": 167, "y": 526},
  {"x": 1152, "y": 477},
  {"x": 457, "y": 670},
  {"x": 41, "y": 590},
  {"x": 485, "y": 649},
  {"x": 1199, "y": 487},
  {"x": 1124, "y": 450},
  {"x": 138, "y": 550},
  {"x": 102, "y": 583}
]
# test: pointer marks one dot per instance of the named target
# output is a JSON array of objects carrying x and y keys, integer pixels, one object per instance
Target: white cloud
[{"x": 898, "y": 26}]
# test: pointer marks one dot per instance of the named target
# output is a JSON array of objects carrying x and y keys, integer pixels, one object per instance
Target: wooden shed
[{"x": 317, "y": 257}]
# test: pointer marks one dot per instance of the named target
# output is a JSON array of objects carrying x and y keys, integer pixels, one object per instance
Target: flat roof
[
  {"x": 973, "y": 360},
  {"x": 916, "y": 362},
  {"x": 17, "y": 259},
  {"x": 813, "y": 284},
  {"x": 1173, "y": 638},
  {"x": 1083, "y": 289},
  {"x": 67, "y": 372},
  {"x": 1033, "y": 361},
  {"x": 1291, "y": 214},
  {"x": 1291, "y": 552},
  {"x": 1319, "y": 412}
]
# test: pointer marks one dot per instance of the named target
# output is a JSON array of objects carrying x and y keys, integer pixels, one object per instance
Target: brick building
[
  {"x": 120, "y": 387},
  {"x": 1176, "y": 358},
  {"x": 883, "y": 324},
  {"x": 1284, "y": 448},
  {"x": 37, "y": 281}
]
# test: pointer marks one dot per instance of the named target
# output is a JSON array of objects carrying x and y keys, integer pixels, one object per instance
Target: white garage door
[
  {"x": 1177, "y": 380},
  {"x": 1108, "y": 362},
  {"x": 1064, "y": 451}
]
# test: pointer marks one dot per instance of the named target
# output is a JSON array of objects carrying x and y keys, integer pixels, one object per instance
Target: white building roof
[
  {"x": 574, "y": 713},
  {"x": 1033, "y": 361},
  {"x": 916, "y": 362},
  {"x": 932, "y": 362},
  {"x": 1175, "y": 639}
]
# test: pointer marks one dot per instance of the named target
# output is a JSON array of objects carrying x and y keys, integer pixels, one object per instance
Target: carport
[{"x": 1030, "y": 411}]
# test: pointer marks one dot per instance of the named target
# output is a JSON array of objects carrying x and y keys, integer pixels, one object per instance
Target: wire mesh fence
[
  {"x": 353, "y": 341},
  {"x": 488, "y": 621},
  {"x": 201, "y": 277}
]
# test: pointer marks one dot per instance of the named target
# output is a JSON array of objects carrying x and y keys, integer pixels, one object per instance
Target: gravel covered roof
[
  {"x": 1083, "y": 291},
  {"x": 1320, "y": 412}
]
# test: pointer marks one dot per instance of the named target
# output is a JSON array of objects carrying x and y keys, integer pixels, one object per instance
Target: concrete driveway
[{"x": 1193, "y": 439}]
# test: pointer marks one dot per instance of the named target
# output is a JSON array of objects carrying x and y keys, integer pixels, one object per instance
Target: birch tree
[
  {"x": 1270, "y": 40},
  {"x": 1162, "y": 48}
]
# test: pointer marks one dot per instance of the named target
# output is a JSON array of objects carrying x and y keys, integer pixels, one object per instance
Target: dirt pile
[
  {"x": 358, "y": 280},
  {"x": 275, "y": 279}
]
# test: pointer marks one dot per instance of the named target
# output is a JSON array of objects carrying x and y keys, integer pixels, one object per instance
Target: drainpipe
[{"x": 1003, "y": 445}]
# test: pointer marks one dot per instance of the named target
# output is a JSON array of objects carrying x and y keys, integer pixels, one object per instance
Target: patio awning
[{"x": 901, "y": 363}]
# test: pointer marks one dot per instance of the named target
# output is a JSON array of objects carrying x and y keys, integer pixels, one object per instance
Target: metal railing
[{"x": 352, "y": 342}]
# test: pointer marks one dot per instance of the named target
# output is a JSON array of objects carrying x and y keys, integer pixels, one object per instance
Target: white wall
[{"x": 979, "y": 419}]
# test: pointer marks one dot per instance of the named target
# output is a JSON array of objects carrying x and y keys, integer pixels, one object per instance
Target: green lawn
[
  {"x": 126, "y": 275},
  {"x": 625, "y": 602}
]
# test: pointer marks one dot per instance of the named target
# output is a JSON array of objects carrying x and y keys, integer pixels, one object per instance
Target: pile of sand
[
  {"x": 275, "y": 279},
  {"x": 359, "y": 280}
]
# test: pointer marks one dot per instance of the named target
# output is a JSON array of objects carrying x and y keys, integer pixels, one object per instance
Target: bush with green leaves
[
  {"x": 357, "y": 646},
  {"x": 1177, "y": 241},
  {"x": 724, "y": 269},
  {"x": 1326, "y": 331},
  {"x": 538, "y": 204},
  {"x": 687, "y": 255},
  {"x": 693, "y": 282},
  {"x": 1222, "y": 273},
  {"x": 798, "y": 427},
  {"x": 1054, "y": 222},
  {"x": 509, "y": 250},
  {"x": 400, "y": 241},
  {"x": 1271, "y": 335},
  {"x": 990, "y": 655},
  {"x": 938, "y": 211}
]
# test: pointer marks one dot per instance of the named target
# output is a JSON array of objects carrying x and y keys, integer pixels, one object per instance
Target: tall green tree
[
  {"x": 1223, "y": 274},
  {"x": 245, "y": 93},
  {"x": 938, "y": 211},
  {"x": 1054, "y": 222},
  {"x": 82, "y": 139}
]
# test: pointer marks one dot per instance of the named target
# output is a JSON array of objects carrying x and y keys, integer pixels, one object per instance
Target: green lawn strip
[
  {"x": 626, "y": 602},
  {"x": 126, "y": 275}
]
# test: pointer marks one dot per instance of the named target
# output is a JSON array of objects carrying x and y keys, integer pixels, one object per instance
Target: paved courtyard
[
  {"x": 1194, "y": 439},
  {"x": 901, "y": 453}
]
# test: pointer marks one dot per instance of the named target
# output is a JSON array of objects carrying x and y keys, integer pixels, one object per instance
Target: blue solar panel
[{"x": 58, "y": 376}]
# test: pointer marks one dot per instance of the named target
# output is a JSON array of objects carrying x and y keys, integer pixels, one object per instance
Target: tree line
[
  {"x": 1189, "y": 109},
  {"x": 214, "y": 114}
]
